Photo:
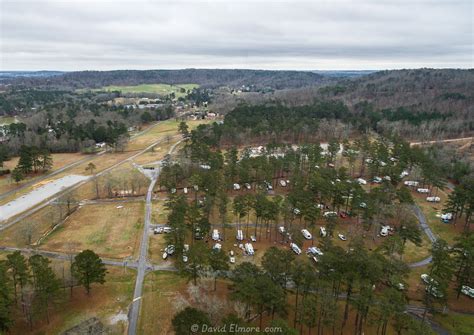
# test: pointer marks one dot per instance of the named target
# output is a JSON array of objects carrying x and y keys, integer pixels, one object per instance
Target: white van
[
  {"x": 447, "y": 216},
  {"x": 249, "y": 249},
  {"x": 423, "y": 190},
  {"x": 215, "y": 235},
  {"x": 295, "y": 248},
  {"x": 306, "y": 234},
  {"x": 240, "y": 235},
  {"x": 322, "y": 231}
]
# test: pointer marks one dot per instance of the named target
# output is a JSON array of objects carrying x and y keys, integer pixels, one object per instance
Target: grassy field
[
  {"x": 160, "y": 89},
  {"x": 59, "y": 161},
  {"x": 108, "y": 302},
  {"x": 455, "y": 323},
  {"x": 110, "y": 231},
  {"x": 4, "y": 120}
]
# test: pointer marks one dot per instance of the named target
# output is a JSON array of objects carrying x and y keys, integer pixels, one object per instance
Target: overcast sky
[{"x": 302, "y": 35}]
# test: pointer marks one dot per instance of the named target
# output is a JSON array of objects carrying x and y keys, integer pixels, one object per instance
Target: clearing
[{"x": 112, "y": 230}]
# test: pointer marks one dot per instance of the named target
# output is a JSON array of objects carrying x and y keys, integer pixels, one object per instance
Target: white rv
[
  {"x": 240, "y": 235},
  {"x": 423, "y": 190},
  {"x": 249, "y": 249},
  {"x": 216, "y": 235},
  {"x": 295, "y": 248},
  {"x": 433, "y": 199},
  {"x": 306, "y": 234}
]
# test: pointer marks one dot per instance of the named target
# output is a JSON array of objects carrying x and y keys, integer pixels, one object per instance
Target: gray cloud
[{"x": 375, "y": 34}]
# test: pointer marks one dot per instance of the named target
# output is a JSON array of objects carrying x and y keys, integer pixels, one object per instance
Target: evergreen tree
[{"x": 88, "y": 268}]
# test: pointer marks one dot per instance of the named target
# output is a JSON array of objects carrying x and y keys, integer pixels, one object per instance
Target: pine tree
[{"x": 88, "y": 268}]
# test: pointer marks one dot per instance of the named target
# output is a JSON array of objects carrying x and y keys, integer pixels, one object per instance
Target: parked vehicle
[
  {"x": 387, "y": 178},
  {"x": 185, "y": 258},
  {"x": 384, "y": 231},
  {"x": 198, "y": 234},
  {"x": 240, "y": 235},
  {"x": 169, "y": 250},
  {"x": 410, "y": 183},
  {"x": 253, "y": 238},
  {"x": 306, "y": 234},
  {"x": 362, "y": 181},
  {"x": 158, "y": 230},
  {"x": 185, "y": 190},
  {"x": 296, "y": 211},
  {"x": 404, "y": 174},
  {"x": 295, "y": 248},
  {"x": 331, "y": 213},
  {"x": 281, "y": 230},
  {"x": 173, "y": 191},
  {"x": 268, "y": 185},
  {"x": 377, "y": 180},
  {"x": 467, "y": 291},
  {"x": 322, "y": 231},
  {"x": 423, "y": 190},
  {"x": 248, "y": 186},
  {"x": 314, "y": 251},
  {"x": 236, "y": 187},
  {"x": 446, "y": 217},
  {"x": 167, "y": 229},
  {"x": 434, "y": 291},
  {"x": 428, "y": 280},
  {"x": 363, "y": 205},
  {"x": 282, "y": 183},
  {"x": 215, "y": 235},
  {"x": 249, "y": 249},
  {"x": 433, "y": 199},
  {"x": 217, "y": 247},
  {"x": 342, "y": 237}
]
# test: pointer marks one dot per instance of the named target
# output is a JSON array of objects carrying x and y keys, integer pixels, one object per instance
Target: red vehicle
[{"x": 344, "y": 215}]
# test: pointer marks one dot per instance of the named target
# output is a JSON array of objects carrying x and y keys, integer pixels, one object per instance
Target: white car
[
  {"x": 342, "y": 237},
  {"x": 362, "y": 181},
  {"x": 404, "y": 174},
  {"x": 295, "y": 248},
  {"x": 282, "y": 183},
  {"x": 185, "y": 190},
  {"x": 217, "y": 247},
  {"x": 253, "y": 238},
  {"x": 306, "y": 234},
  {"x": 433, "y": 199},
  {"x": 236, "y": 187},
  {"x": 248, "y": 186},
  {"x": 363, "y": 205},
  {"x": 185, "y": 258},
  {"x": 296, "y": 211},
  {"x": 281, "y": 230},
  {"x": 423, "y": 190},
  {"x": 215, "y": 235}
]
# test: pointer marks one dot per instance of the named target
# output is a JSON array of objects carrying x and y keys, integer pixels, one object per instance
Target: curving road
[{"x": 427, "y": 230}]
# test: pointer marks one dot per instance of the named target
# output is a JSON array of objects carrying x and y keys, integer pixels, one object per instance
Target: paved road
[
  {"x": 427, "y": 230},
  {"x": 442, "y": 141},
  {"x": 142, "y": 264}
]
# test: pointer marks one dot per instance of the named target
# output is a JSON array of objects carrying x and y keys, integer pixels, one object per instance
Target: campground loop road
[{"x": 427, "y": 230}]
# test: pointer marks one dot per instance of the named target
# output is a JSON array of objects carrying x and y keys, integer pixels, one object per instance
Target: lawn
[
  {"x": 160, "y": 89},
  {"x": 455, "y": 323},
  {"x": 110, "y": 231},
  {"x": 108, "y": 302}
]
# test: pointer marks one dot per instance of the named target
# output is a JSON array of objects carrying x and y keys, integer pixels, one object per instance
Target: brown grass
[{"x": 110, "y": 232}]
